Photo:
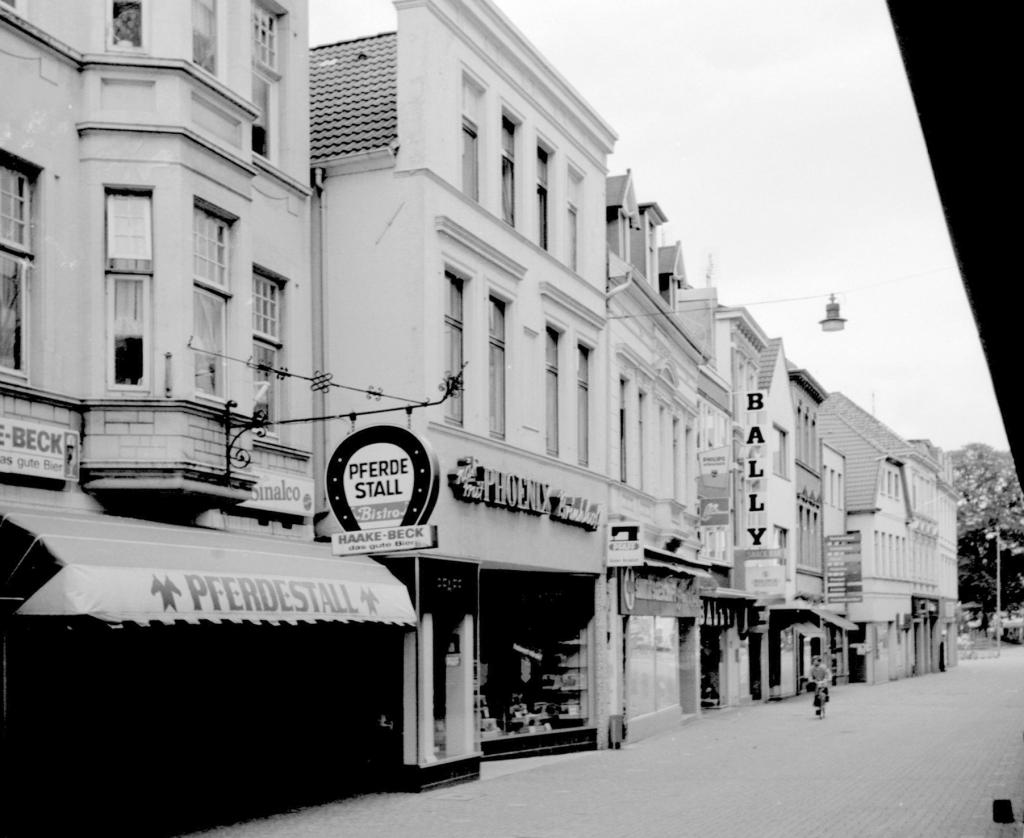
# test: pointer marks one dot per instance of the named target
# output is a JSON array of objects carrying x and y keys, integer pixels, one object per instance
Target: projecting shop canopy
[
  {"x": 798, "y": 612},
  {"x": 119, "y": 569}
]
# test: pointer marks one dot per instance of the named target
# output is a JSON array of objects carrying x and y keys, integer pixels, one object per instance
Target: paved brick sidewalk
[{"x": 919, "y": 757}]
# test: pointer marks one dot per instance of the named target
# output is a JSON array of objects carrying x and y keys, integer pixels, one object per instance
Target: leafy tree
[{"x": 989, "y": 498}]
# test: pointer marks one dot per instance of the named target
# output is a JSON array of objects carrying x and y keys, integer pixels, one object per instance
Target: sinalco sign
[{"x": 383, "y": 476}]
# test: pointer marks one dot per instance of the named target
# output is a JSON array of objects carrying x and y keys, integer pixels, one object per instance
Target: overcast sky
[{"x": 781, "y": 141}]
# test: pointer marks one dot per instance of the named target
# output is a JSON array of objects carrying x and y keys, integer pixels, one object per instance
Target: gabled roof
[
  {"x": 653, "y": 211},
  {"x": 619, "y": 192},
  {"x": 353, "y": 96},
  {"x": 807, "y": 381},
  {"x": 766, "y": 368},
  {"x": 670, "y": 260},
  {"x": 866, "y": 442}
]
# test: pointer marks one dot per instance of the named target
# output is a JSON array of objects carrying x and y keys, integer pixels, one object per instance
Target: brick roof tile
[{"x": 353, "y": 96}]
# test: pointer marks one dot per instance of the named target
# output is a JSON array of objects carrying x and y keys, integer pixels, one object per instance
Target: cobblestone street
[{"x": 919, "y": 757}]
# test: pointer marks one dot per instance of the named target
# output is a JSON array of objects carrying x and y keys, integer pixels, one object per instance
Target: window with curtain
[
  {"x": 453, "y": 341},
  {"x": 471, "y": 96},
  {"x": 572, "y": 221},
  {"x": 551, "y": 391},
  {"x": 16, "y": 260},
  {"x": 129, "y": 275},
  {"x": 583, "y": 404},
  {"x": 266, "y": 343},
  {"x": 542, "y": 197},
  {"x": 508, "y": 171},
  {"x": 204, "y": 34},
  {"x": 266, "y": 79},
  {"x": 496, "y": 366},
  {"x": 209, "y": 300},
  {"x": 126, "y": 24}
]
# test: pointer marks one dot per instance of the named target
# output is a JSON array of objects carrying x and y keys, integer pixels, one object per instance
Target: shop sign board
[
  {"x": 384, "y": 540},
  {"x": 754, "y": 419},
  {"x": 625, "y": 546},
  {"x": 714, "y": 461},
  {"x": 646, "y": 594},
  {"x": 713, "y": 498},
  {"x": 474, "y": 483},
  {"x": 165, "y": 594},
  {"x": 380, "y": 477},
  {"x": 765, "y": 577},
  {"x": 843, "y": 575},
  {"x": 277, "y": 491},
  {"x": 33, "y": 449}
]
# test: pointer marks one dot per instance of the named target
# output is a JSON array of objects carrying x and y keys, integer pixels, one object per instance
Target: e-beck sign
[
  {"x": 384, "y": 540},
  {"x": 36, "y": 450},
  {"x": 382, "y": 484}
]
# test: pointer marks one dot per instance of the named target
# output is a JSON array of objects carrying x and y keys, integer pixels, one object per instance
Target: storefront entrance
[{"x": 536, "y": 663}]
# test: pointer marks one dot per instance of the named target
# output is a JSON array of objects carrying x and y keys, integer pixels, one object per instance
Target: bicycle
[{"x": 820, "y": 699}]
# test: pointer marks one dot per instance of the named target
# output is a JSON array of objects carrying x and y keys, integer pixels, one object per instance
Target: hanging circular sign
[{"x": 382, "y": 476}]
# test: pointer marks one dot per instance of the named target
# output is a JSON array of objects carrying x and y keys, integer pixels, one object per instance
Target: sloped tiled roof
[
  {"x": 668, "y": 258},
  {"x": 353, "y": 103},
  {"x": 615, "y": 190},
  {"x": 865, "y": 441},
  {"x": 766, "y": 370}
]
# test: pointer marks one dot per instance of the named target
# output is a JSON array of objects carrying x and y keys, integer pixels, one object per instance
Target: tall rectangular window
[
  {"x": 16, "y": 258},
  {"x": 129, "y": 233},
  {"x": 266, "y": 344},
  {"x": 470, "y": 140},
  {"x": 572, "y": 222},
  {"x": 542, "y": 197},
  {"x": 496, "y": 370},
  {"x": 265, "y": 79},
  {"x": 641, "y": 441},
  {"x": 129, "y": 276},
  {"x": 204, "y": 34},
  {"x": 676, "y": 461},
  {"x": 551, "y": 391},
  {"x": 508, "y": 171},
  {"x": 623, "y": 461},
  {"x": 583, "y": 404},
  {"x": 780, "y": 457},
  {"x": 126, "y": 24},
  {"x": 209, "y": 300},
  {"x": 453, "y": 341},
  {"x": 129, "y": 307}
]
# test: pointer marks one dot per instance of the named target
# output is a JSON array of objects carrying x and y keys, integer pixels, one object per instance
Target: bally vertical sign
[
  {"x": 382, "y": 484},
  {"x": 755, "y": 423}
]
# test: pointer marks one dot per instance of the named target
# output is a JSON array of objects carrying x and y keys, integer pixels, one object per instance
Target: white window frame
[
  {"x": 472, "y": 106},
  {"x": 218, "y": 27},
  {"x": 572, "y": 220},
  {"x": 552, "y": 373},
  {"x": 18, "y": 252},
  {"x": 263, "y": 339},
  {"x": 584, "y": 354},
  {"x": 509, "y": 158},
  {"x": 497, "y": 388},
  {"x": 113, "y": 43},
  {"x": 132, "y": 260},
  {"x": 454, "y": 330},
  {"x": 269, "y": 74},
  {"x": 218, "y": 288},
  {"x": 145, "y": 282},
  {"x": 543, "y": 206}
]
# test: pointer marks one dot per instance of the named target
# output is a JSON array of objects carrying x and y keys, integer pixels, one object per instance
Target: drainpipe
[
  {"x": 618, "y": 289},
  {"x": 319, "y": 277}
]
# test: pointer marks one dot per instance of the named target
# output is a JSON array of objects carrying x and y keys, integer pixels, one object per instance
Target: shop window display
[
  {"x": 535, "y": 655},
  {"x": 652, "y": 664}
]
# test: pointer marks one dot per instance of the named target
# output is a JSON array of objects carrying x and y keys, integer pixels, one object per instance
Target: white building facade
[{"x": 460, "y": 228}]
